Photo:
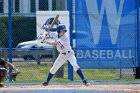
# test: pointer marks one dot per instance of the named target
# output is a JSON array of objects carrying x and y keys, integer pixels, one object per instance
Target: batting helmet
[{"x": 61, "y": 27}]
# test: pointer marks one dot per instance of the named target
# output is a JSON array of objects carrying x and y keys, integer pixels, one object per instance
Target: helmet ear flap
[{"x": 58, "y": 31}]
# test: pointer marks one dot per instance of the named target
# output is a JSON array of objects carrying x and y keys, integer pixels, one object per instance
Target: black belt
[{"x": 65, "y": 52}]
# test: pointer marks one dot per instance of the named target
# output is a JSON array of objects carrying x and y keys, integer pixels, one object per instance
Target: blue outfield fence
[{"x": 106, "y": 33}]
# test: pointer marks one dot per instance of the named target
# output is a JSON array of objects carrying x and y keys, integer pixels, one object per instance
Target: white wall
[
  {"x": 5, "y": 7},
  {"x": 25, "y": 6}
]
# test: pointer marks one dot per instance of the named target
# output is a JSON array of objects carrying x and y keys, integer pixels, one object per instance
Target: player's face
[{"x": 62, "y": 32}]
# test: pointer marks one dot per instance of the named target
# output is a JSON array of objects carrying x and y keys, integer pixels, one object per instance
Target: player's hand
[
  {"x": 45, "y": 37},
  {"x": 45, "y": 34}
]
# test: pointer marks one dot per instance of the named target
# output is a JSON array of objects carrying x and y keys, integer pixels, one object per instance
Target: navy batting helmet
[{"x": 61, "y": 27}]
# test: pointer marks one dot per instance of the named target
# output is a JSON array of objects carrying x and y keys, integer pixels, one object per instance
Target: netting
[{"x": 104, "y": 35}]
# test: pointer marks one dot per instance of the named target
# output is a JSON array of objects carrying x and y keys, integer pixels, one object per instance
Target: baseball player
[
  {"x": 3, "y": 70},
  {"x": 62, "y": 43}
]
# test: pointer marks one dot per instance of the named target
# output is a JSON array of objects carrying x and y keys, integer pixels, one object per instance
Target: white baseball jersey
[
  {"x": 64, "y": 42},
  {"x": 66, "y": 53}
]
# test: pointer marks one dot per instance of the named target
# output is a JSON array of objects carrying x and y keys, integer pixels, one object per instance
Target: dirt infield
[{"x": 127, "y": 88}]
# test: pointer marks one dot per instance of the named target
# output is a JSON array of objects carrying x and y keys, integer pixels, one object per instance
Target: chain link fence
[{"x": 33, "y": 61}]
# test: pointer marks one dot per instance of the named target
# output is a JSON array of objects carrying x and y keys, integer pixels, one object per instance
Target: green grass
[{"x": 39, "y": 74}]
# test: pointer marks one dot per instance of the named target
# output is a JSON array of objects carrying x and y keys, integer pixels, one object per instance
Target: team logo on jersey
[{"x": 48, "y": 22}]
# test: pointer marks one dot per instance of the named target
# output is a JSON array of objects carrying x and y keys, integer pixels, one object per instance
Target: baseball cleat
[
  {"x": 86, "y": 83},
  {"x": 45, "y": 84}
]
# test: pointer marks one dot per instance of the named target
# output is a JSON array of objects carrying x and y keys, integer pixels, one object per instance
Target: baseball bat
[{"x": 52, "y": 24}]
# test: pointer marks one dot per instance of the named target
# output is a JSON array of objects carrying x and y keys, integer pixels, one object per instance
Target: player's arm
[
  {"x": 60, "y": 42},
  {"x": 10, "y": 65},
  {"x": 14, "y": 74},
  {"x": 6, "y": 64}
]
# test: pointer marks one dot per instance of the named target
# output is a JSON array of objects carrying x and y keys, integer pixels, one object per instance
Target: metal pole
[
  {"x": 70, "y": 8},
  {"x": 137, "y": 49},
  {"x": 138, "y": 35},
  {"x": 10, "y": 32}
]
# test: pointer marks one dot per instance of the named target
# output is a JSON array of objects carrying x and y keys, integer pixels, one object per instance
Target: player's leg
[
  {"x": 73, "y": 62},
  {"x": 1, "y": 79},
  {"x": 76, "y": 68},
  {"x": 3, "y": 75},
  {"x": 57, "y": 64}
]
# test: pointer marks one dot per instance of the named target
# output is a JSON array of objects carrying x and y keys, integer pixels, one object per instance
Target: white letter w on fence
[{"x": 96, "y": 18}]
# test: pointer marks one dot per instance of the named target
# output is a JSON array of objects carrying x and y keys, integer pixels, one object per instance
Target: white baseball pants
[{"x": 62, "y": 58}]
